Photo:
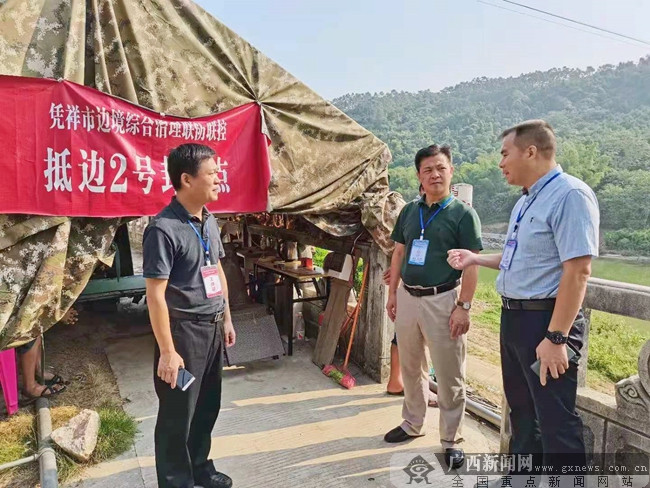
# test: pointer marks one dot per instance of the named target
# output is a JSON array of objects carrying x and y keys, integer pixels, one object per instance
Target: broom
[{"x": 342, "y": 376}]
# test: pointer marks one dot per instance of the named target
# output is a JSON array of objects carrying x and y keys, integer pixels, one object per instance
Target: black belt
[
  {"x": 541, "y": 304},
  {"x": 212, "y": 318},
  {"x": 432, "y": 290}
]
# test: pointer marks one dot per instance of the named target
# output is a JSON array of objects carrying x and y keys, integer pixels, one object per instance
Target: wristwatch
[
  {"x": 464, "y": 305},
  {"x": 556, "y": 337}
]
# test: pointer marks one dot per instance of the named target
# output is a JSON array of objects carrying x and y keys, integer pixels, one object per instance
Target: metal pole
[{"x": 46, "y": 455}]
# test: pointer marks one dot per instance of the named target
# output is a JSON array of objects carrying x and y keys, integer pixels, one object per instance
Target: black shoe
[
  {"x": 454, "y": 457},
  {"x": 398, "y": 435},
  {"x": 213, "y": 480}
]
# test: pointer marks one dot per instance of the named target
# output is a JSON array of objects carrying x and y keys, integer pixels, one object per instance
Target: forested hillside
[{"x": 601, "y": 117}]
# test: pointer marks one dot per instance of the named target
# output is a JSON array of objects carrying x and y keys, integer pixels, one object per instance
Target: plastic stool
[{"x": 9, "y": 379}]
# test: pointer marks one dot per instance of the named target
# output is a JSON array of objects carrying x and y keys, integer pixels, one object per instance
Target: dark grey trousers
[
  {"x": 186, "y": 418},
  {"x": 544, "y": 420}
]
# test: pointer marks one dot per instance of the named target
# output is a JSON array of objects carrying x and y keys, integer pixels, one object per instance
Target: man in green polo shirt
[{"x": 431, "y": 308}]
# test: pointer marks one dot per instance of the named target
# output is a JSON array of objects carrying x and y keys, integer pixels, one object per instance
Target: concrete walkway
[{"x": 283, "y": 423}]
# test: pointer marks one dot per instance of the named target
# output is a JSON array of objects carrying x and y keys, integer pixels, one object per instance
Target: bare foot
[{"x": 394, "y": 388}]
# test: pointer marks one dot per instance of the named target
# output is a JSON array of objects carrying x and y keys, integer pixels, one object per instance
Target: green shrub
[
  {"x": 614, "y": 346},
  {"x": 319, "y": 256},
  {"x": 628, "y": 240},
  {"x": 117, "y": 430}
]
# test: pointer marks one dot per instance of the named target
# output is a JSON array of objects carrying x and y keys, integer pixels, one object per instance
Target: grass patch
[
  {"x": 483, "y": 342},
  {"x": 487, "y": 311},
  {"x": 599, "y": 382},
  {"x": 16, "y": 439},
  {"x": 66, "y": 466},
  {"x": 117, "y": 431},
  {"x": 614, "y": 345},
  {"x": 621, "y": 270}
]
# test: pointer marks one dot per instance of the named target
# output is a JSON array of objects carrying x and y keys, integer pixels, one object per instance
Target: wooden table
[{"x": 291, "y": 278}]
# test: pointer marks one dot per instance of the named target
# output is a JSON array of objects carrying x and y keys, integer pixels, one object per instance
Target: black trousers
[
  {"x": 543, "y": 419},
  {"x": 186, "y": 418}
]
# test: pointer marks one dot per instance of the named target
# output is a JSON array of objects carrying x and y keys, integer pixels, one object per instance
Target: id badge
[
  {"x": 419, "y": 252},
  {"x": 211, "y": 281},
  {"x": 508, "y": 252}
]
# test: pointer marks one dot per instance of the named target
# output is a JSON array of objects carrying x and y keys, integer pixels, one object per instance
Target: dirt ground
[{"x": 77, "y": 353}]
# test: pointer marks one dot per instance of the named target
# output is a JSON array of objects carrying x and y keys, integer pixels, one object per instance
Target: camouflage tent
[{"x": 173, "y": 57}]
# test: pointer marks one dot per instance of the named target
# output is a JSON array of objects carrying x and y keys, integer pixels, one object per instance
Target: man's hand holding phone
[
  {"x": 548, "y": 373},
  {"x": 168, "y": 366}
]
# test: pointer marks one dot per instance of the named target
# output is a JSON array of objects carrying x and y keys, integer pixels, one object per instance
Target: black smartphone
[
  {"x": 537, "y": 364},
  {"x": 184, "y": 379}
]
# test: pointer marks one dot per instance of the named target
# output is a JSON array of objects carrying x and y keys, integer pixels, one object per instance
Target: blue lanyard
[
  {"x": 205, "y": 243},
  {"x": 441, "y": 207},
  {"x": 522, "y": 210}
]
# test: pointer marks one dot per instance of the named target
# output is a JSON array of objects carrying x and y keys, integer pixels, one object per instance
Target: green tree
[
  {"x": 623, "y": 200},
  {"x": 584, "y": 161},
  {"x": 493, "y": 198},
  {"x": 601, "y": 118},
  {"x": 405, "y": 181}
]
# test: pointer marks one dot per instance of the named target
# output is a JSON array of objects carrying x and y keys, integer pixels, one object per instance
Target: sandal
[
  {"x": 48, "y": 392},
  {"x": 44, "y": 394},
  {"x": 54, "y": 380}
]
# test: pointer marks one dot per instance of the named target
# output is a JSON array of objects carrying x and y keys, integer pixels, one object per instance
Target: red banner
[{"x": 70, "y": 150}]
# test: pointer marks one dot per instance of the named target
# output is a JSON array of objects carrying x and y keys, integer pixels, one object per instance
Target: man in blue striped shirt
[{"x": 544, "y": 267}]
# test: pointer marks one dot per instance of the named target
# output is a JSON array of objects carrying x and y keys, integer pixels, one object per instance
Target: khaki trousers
[{"x": 420, "y": 322}]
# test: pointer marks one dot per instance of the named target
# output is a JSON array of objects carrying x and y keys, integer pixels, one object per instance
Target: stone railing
[{"x": 619, "y": 424}]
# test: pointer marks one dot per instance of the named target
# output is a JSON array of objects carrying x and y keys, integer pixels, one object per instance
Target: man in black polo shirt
[
  {"x": 429, "y": 309},
  {"x": 187, "y": 296}
]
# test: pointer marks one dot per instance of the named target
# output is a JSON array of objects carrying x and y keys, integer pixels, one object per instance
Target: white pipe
[
  {"x": 47, "y": 457},
  {"x": 19, "y": 462}
]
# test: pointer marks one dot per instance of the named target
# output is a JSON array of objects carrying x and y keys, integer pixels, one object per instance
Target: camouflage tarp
[{"x": 173, "y": 57}]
